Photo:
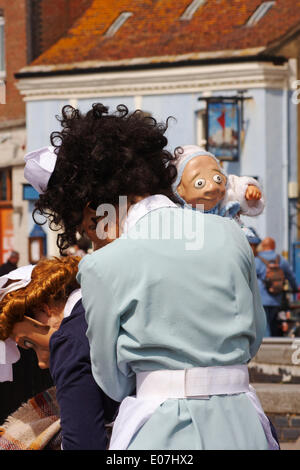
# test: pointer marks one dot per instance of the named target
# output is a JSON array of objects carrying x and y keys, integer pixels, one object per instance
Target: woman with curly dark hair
[
  {"x": 171, "y": 298},
  {"x": 101, "y": 156}
]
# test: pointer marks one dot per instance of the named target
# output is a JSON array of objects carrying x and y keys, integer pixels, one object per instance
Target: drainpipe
[{"x": 285, "y": 167}]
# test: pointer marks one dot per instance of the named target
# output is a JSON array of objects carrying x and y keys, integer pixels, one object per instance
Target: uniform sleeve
[
  {"x": 236, "y": 191},
  {"x": 260, "y": 269},
  {"x": 259, "y": 311},
  {"x": 258, "y": 327},
  {"x": 79, "y": 397},
  {"x": 103, "y": 318}
]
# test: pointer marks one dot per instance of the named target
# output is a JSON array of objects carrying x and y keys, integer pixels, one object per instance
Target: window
[
  {"x": 259, "y": 13},
  {"x": 116, "y": 25},
  {"x": 201, "y": 128},
  {"x": 5, "y": 185},
  {"x": 34, "y": 29},
  {"x": 37, "y": 244},
  {"x": 29, "y": 193},
  {"x": 191, "y": 9}
]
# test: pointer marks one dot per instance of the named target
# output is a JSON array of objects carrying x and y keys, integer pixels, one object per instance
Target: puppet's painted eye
[
  {"x": 200, "y": 183},
  {"x": 218, "y": 179}
]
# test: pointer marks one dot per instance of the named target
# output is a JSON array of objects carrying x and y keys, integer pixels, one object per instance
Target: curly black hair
[{"x": 102, "y": 156}]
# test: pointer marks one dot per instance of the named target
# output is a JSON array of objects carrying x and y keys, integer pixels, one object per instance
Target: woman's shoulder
[
  {"x": 69, "y": 344},
  {"x": 105, "y": 260},
  {"x": 72, "y": 327}
]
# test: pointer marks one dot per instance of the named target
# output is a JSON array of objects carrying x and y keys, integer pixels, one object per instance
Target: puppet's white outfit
[{"x": 178, "y": 318}]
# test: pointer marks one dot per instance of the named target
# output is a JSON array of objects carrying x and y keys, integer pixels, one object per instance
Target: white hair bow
[{"x": 39, "y": 166}]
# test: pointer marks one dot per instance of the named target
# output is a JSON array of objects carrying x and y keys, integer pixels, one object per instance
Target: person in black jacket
[
  {"x": 11, "y": 263},
  {"x": 48, "y": 317}
]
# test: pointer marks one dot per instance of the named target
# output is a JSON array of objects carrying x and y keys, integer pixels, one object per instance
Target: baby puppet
[{"x": 202, "y": 180}]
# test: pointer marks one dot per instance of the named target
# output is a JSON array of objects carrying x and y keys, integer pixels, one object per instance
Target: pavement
[
  {"x": 290, "y": 445},
  {"x": 277, "y": 376}
]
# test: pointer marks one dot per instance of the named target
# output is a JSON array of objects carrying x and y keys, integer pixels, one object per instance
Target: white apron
[{"x": 153, "y": 388}]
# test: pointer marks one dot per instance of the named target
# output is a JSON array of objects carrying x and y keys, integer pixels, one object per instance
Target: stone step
[
  {"x": 277, "y": 361},
  {"x": 279, "y": 398}
]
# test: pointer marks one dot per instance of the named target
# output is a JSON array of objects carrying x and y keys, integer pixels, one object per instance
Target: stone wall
[
  {"x": 275, "y": 375},
  {"x": 277, "y": 361}
]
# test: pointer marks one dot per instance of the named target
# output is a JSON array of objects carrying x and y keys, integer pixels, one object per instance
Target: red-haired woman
[{"x": 47, "y": 315}]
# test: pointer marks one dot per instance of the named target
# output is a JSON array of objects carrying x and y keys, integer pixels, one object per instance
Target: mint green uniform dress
[{"x": 155, "y": 304}]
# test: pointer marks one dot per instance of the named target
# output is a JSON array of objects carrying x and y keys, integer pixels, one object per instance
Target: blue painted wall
[
  {"x": 276, "y": 176},
  {"x": 41, "y": 121},
  {"x": 270, "y": 138}
]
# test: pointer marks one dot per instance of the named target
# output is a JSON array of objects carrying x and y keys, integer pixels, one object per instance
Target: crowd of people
[
  {"x": 273, "y": 302},
  {"x": 10, "y": 264},
  {"x": 152, "y": 330}
]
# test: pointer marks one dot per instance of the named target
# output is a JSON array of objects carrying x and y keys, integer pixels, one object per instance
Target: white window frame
[
  {"x": 191, "y": 9},
  {"x": 201, "y": 128},
  {"x": 259, "y": 13},
  {"x": 116, "y": 25}
]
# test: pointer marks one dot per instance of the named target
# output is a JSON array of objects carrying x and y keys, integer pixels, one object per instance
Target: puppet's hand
[{"x": 252, "y": 193}]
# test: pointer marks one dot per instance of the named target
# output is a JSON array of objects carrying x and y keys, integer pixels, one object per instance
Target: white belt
[
  {"x": 197, "y": 382},
  {"x": 153, "y": 388}
]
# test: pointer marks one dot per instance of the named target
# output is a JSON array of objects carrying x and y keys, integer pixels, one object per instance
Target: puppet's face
[
  {"x": 202, "y": 182},
  {"x": 31, "y": 334},
  {"x": 35, "y": 333}
]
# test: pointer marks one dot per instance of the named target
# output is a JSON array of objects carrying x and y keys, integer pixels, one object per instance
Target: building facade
[
  {"x": 27, "y": 29},
  {"x": 114, "y": 58},
  {"x": 12, "y": 126}
]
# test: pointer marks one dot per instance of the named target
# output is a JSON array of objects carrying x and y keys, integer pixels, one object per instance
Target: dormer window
[
  {"x": 259, "y": 13},
  {"x": 191, "y": 9},
  {"x": 116, "y": 25}
]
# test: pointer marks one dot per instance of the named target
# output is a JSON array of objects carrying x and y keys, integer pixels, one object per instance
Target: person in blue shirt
[
  {"x": 254, "y": 240},
  {"x": 272, "y": 303}
]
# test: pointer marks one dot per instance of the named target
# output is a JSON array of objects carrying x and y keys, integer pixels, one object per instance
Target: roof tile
[{"x": 155, "y": 29}]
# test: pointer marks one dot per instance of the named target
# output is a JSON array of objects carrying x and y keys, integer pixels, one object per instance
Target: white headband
[
  {"x": 9, "y": 352},
  {"x": 39, "y": 167}
]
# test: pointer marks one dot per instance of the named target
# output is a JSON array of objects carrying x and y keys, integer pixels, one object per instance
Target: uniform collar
[
  {"x": 143, "y": 207},
  {"x": 72, "y": 301}
]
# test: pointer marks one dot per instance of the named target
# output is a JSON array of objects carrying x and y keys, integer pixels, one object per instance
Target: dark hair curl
[{"x": 102, "y": 156}]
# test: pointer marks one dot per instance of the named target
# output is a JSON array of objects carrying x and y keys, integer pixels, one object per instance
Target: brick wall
[
  {"x": 57, "y": 16},
  {"x": 31, "y": 26},
  {"x": 15, "y": 57}
]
